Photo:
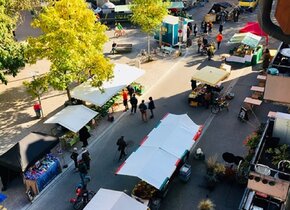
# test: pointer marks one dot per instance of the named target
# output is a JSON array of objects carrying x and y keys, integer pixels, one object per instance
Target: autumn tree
[
  {"x": 73, "y": 42},
  {"x": 149, "y": 14},
  {"x": 11, "y": 51}
]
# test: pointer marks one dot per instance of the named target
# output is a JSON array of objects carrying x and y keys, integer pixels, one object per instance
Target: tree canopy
[
  {"x": 73, "y": 42},
  {"x": 148, "y": 14}
]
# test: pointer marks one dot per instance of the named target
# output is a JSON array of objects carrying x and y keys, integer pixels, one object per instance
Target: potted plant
[
  {"x": 279, "y": 153},
  {"x": 252, "y": 141},
  {"x": 206, "y": 204},
  {"x": 215, "y": 172}
]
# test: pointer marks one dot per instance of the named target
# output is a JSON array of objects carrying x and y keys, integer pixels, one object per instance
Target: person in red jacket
[
  {"x": 125, "y": 99},
  {"x": 219, "y": 39},
  {"x": 37, "y": 109}
]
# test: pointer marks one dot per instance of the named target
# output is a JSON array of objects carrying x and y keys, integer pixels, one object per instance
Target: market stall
[
  {"x": 160, "y": 155},
  {"x": 29, "y": 157},
  {"x": 248, "y": 51},
  {"x": 170, "y": 27},
  {"x": 73, "y": 118},
  {"x": 210, "y": 77},
  {"x": 113, "y": 200},
  {"x": 123, "y": 76},
  {"x": 254, "y": 28}
]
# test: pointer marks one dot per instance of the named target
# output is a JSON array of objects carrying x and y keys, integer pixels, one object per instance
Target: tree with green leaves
[
  {"x": 149, "y": 14},
  {"x": 73, "y": 42}
]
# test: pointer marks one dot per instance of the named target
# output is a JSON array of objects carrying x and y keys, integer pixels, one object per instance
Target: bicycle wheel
[
  {"x": 215, "y": 109},
  {"x": 78, "y": 205}
]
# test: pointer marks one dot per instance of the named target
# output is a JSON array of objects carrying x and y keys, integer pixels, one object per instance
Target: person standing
[
  {"x": 193, "y": 84},
  {"x": 266, "y": 59},
  {"x": 221, "y": 28},
  {"x": 84, "y": 135},
  {"x": 125, "y": 99},
  {"x": 74, "y": 156},
  {"x": 199, "y": 43},
  {"x": 134, "y": 102},
  {"x": 130, "y": 90},
  {"x": 121, "y": 147},
  {"x": 113, "y": 51},
  {"x": 86, "y": 158},
  {"x": 37, "y": 109},
  {"x": 143, "y": 110},
  {"x": 151, "y": 106},
  {"x": 195, "y": 29},
  {"x": 209, "y": 26},
  {"x": 219, "y": 39},
  {"x": 205, "y": 28},
  {"x": 83, "y": 171}
]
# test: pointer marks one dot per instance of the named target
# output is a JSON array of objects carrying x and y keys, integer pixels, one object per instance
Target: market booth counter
[
  {"x": 248, "y": 52},
  {"x": 159, "y": 158},
  {"x": 210, "y": 78},
  {"x": 31, "y": 152}
]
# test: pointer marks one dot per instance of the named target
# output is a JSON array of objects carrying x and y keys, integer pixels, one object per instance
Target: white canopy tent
[
  {"x": 153, "y": 165},
  {"x": 73, "y": 117},
  {"x": 123, "y": 76},
  {"x": 175, "y": 134},
  {"x": 113, "y": 200}
]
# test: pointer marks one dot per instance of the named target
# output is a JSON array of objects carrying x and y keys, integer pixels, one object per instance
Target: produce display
[
  {"x": 199, "y": 90},
  {"x": 40, "y": 167},
  {"x": 242, "y": 50},
  {"x": 144, "y": 190}
]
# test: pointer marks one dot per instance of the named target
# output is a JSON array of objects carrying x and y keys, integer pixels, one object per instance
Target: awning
[
  {"x": 113, "y": 200},
  {"x": 153, "y": 165},
  {"x": 176, "y": 5},
  {"x": 73, "y": 117},
  {"x": 210, "y": 75},
  {"x": 175, "y": 134},
  {"x": 254, "y": 28},
  {"x": 123, "y": 76},
  {"x": 123, "y": 8},
  {"x": 248, "y": 38},
  {"x": 27, "y": 151},
  {"x": 277, "y": 89}
]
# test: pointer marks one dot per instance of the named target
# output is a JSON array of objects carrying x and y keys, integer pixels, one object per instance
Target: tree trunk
[
  {"x": 148, "y": 38},
  {"x": 160, "y": 37},
  {"x": 68, "y": 94}
]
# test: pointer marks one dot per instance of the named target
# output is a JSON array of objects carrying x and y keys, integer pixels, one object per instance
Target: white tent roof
[
  {"x": 153, "y": 165},
  {"x": 113, "y": 200},
  {"x": 175, "y": 135},
  {"x": 73, "y": 117},
  {"x": 123, "y": 76}
]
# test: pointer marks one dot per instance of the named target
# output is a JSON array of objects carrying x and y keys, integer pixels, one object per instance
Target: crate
[
  {"x": 185, "y": 172},
  {"x": 193, "y": 103}
]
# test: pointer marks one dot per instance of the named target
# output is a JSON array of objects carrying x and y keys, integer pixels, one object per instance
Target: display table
[
  {"x": 40, "y": 175},
  {"x": 246, "y": 55},
  {"x": 196, "y": 96}
]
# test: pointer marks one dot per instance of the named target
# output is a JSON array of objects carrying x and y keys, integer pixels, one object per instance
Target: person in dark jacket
[
  {"x": 84, "y": 135},
  {"x": 143, "y": 109},
  {"x": 151, "y": 106},
  {"x": 121, "y": 147},
  {"x": 195, "y": 29},
  {"x": 221, "y": 28},
  {"x": 74, "y": 156},
  {"x": 193, "y": 84},
  {"x": 86, "y": 157},
  {"x": 82, "y": 170},
  {"x": 134, "y": 102},
  {"x": 130, "y": 90}
]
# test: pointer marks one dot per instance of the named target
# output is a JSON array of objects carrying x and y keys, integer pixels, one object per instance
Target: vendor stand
[
  {"x": 248, "y": 52},
  {"x": 210, "y": 77},
  {"x": 160, "y": 156},
  {"x": 113, "y": 200},
  {"x": 30, "y": 157}
]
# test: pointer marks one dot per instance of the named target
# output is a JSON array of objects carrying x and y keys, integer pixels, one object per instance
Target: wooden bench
[
  {"x": 251, "y": 102},
  {"x": 124, "y": 48},
  {"x": 262, "y": 80},
  {"x": 258, "y": 92},
  {"x": 167, "y": 50}
]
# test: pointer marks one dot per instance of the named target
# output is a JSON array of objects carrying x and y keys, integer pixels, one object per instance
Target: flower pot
[{"x": 257, "y": 179}]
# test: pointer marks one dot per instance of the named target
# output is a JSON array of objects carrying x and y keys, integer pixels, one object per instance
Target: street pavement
[{"x": 168, "y": 82}]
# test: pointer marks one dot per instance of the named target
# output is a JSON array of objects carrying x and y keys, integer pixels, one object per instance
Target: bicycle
[
  {"x": 219, "y": 105},
  {"x": 83, "y": 197}
]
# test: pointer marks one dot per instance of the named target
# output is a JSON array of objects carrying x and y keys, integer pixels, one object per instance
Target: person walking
[
  {"x": 219, "y": 39},
  {"x": 113, "y": 51},
  {"x": 74, "y": 156},
  {"x": 125, "y": 99},
  {"x": 205, "y": 28},
  {"x": 193, "y": 84},
  {"x": 121, "y": 147},
  {"x": 209, "y": 25},
  {"x": 195, "y": 29},
  {"x": 86, "y": 158},
  {"x": 199, "y": 43},
  {"x": 143, "y": 110},
  {"x": 84, "y": 135},
  {"x": 221, "y": 28},
  {"x": 83, "y": 171},
  {"x": 151, "y": 106},
  {"x": 134, "y": 102},
  {"x": 130, "y": 90}
]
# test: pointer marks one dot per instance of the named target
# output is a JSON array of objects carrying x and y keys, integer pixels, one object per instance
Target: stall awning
[
  {"x": 176, "y": 5},
  {"x": 254, "y": 28},
  {"x": 175, "y": 134},
  {"x": 123, "y": 76},
  {"x": 277, "y": 89},
  {"x": 153, "y": 165},
  {"x": 27, "y": 151},
  {"x": 73, "y": 117},
  {"x": 210, "y": 75},
  {"x": 173, "y": 20},
  {"x": 248, "y": 38},
  {"x": 113, "y": 200}
]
